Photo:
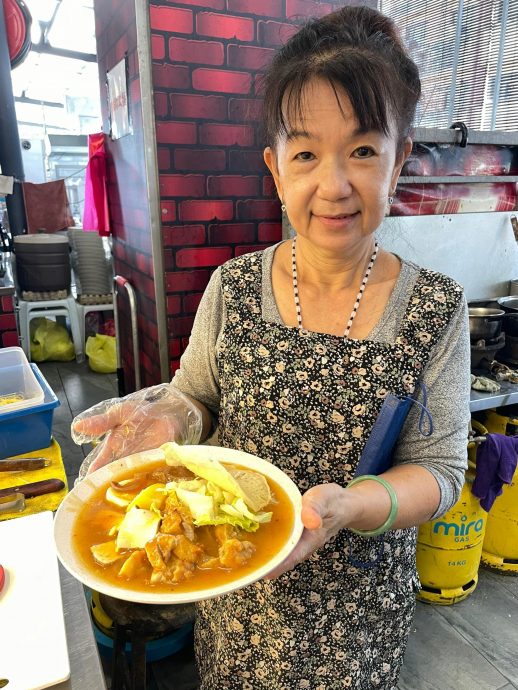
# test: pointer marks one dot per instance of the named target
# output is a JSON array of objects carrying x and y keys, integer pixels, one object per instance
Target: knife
[
  {"x": 20, "y": 464},
  {"x": 46, "y": 486},
  {"x": 12, "y": 503}
]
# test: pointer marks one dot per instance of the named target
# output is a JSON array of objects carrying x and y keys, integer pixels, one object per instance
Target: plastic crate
[
  {"x": 17, "y": 379},
  {"x": 28, "y": 429}
]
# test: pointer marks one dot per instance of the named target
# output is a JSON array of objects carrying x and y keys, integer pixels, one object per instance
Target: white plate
[
  {"x": 73, "y": 503},
  {"x": 33, "y": 645}
]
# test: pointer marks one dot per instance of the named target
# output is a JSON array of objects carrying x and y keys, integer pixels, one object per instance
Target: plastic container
[
  {"x": 19, "y": 388},
  {"x": 23, "y": 431},
  {"x": 42, "y": 262}
]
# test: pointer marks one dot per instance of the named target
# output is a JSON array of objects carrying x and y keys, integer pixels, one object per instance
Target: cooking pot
[
  {"x": 485, "y": 323},
  {"x": 510, "y": 325},
  {"x": 509, "y": 304}
]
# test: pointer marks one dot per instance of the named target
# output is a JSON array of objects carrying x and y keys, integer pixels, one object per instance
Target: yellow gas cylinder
[
  {"x": 503, "y": 420},
  {"x": 500, "y": 549},
  {"x": 449, "y": 548}
]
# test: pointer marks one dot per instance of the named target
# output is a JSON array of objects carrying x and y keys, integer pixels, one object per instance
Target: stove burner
[
  {"x": 482, "y": 344},
  {"x": 137, "y": 624},
  {"x": 483, "y": 352}
]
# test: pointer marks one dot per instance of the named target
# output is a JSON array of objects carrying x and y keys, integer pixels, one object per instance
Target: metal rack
[
  {"x": 456, "y": 179},
  {"x": 507, "y": 395}
]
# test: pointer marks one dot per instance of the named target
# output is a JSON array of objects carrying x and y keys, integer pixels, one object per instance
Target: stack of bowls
[{"x": 91, "y": 266}]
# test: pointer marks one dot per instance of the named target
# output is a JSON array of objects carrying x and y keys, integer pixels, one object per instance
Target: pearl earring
[{"x": 283, "y": 208}]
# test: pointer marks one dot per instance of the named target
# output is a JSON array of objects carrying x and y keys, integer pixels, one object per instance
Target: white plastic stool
[
  {"x": 54, "y": 307},
  {"x": 83, "y": 310}
]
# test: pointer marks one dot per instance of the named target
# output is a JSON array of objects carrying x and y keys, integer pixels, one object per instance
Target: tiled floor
[{"x": 472, "y": 645}]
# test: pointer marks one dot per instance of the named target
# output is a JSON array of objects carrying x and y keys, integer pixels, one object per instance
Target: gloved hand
[{"x": 139, "y": 421}]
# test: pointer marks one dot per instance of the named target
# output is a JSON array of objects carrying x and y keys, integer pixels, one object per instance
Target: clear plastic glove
[{"x": 139, "y": 421}]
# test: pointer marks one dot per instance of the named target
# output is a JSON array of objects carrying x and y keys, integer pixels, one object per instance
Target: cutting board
[{"x": 33, "y": 645}]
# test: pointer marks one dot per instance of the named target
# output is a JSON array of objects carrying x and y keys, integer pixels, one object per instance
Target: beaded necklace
[{"x": 358, "y": 296}]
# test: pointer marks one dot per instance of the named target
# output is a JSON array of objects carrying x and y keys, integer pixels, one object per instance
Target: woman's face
[{"x": 334, "y": 180}]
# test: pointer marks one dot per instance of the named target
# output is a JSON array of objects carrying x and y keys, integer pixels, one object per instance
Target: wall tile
[
  {"x": 174, "y": 19},
  {"x": 224, "y": 26}
]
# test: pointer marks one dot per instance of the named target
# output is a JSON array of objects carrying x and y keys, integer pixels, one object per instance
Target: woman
[{"x": 293, "y": 351}]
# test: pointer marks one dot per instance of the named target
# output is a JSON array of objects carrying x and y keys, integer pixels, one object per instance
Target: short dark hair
[{"x": 356, "y": 49}]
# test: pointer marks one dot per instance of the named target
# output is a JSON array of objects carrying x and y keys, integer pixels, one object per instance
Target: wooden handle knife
[
  {"x": 46, "y": 486},
  {"x": 21, "y": 464}
]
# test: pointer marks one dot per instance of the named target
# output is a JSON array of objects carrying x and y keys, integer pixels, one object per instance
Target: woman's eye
[
  {"x": 363, "y": 152},
  {"x": 304, "y": 156}
]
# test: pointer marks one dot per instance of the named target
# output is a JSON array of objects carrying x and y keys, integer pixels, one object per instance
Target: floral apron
[{"x": 307, "y": 401}]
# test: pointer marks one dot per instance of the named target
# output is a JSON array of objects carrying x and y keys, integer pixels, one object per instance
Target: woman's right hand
[
  {"x": 140, "y": 421},
  {"x": 326, "y": 509}
]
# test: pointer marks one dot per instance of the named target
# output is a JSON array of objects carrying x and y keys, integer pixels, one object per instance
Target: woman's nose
[{"x": 334, "y": 181}]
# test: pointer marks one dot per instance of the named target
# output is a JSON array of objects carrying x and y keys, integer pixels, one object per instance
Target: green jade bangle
[{"x": 393, "y": 506}]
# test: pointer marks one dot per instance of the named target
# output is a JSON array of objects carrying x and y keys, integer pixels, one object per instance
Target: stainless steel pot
[
  {"x": 510, "y": 325},
  {"x": 509, "y": 304},
  {"x": 485, "y": 323}
]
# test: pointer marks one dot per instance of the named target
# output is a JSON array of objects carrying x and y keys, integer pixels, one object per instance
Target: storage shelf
[
  {"x": 456, "y": 179},
  {"x": 507, "y": 395},
  {"x": 445, "y": 135}
]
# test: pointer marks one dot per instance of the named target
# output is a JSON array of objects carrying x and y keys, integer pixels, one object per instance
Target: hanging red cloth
[{"x": 96, "y": 214}]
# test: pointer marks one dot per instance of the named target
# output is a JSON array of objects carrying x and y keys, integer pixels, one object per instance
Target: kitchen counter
[
  {"x": 85, "y": 666},
  {"x": 507, "y": 395}
]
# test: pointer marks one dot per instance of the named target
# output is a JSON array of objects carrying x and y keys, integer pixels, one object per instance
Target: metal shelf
[
  {"x": 439, "y": 135},
  {"x": 456, "y": 179},
  {"x": 507, "y": 395}
]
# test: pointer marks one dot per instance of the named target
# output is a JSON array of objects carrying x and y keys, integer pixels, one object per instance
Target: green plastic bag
[
  {"x": 50, "y": 341},
  {"x": 101, "y": 353}
]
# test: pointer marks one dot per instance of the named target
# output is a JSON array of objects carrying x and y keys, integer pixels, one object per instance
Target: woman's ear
[
  {"x": 400, "y": 161},
  {"x": 407, "y": 149},
  {"x": 271, "y": 163}
]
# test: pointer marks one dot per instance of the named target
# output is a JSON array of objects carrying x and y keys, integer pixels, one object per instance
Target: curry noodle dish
[{"x": 190, "y": 524}]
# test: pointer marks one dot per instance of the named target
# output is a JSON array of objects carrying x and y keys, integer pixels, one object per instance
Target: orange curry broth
[{"x": 98, "y": 516}]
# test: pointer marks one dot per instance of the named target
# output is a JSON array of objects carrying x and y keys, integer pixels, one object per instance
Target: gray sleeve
[
  {"x": 447, "y": 380},
  {"x": 198, "y": 372}
]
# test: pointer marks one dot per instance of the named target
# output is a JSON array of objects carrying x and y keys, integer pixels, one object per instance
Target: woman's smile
[{"x": 338, "y": 221}]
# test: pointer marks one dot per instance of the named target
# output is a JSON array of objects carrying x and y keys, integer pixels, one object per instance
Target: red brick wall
[
  {"x": 128, "y": 198},
  {"x": 217, "y": 199},
  {"x": 8, "y": 331}
]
